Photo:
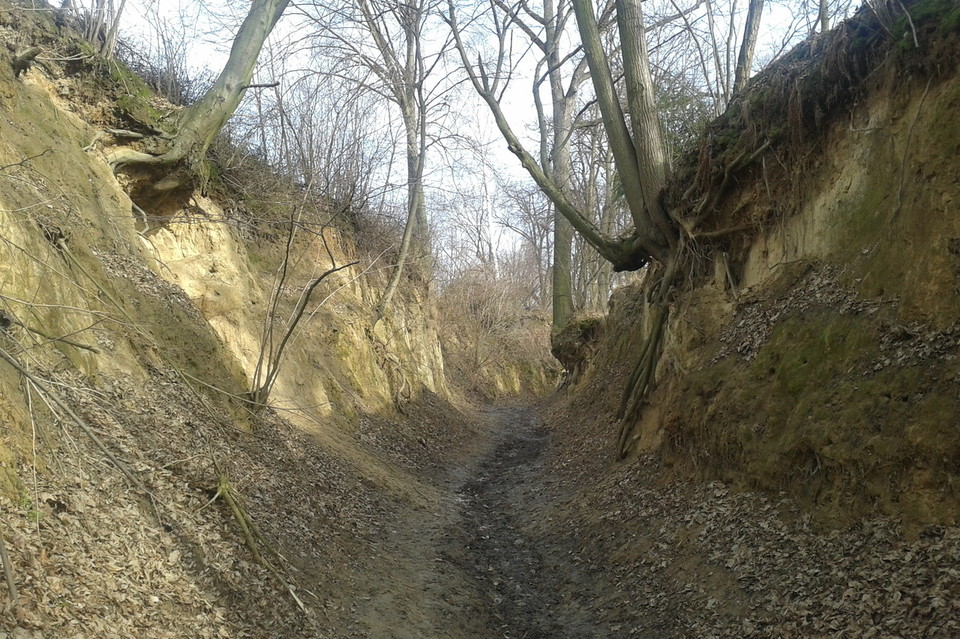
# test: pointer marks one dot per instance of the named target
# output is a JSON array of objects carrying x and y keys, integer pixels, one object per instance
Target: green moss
[
  {"x": 945, "y": 13},
  {"x": 129, "y": 82},
  {"x": 951, "y": 22},
  {"x": 139, "y": 110},
  {"x": 135, "y": 97},
  {"x": 811, "y": 415},
  {"x": 802, "y": 352}
]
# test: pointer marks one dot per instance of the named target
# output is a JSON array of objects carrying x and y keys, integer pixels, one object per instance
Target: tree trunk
[
  {"x": 110, "y": 42},
  {"x": 750, "y": 31},
  {"x": 641, "y": 161},
  {"x": 414, "y": 232},
  {"x": 406, "y": 84},
  {"x": 560, "y": 167},
  {"x": 562, "y": 279},
  {"x": 626, "y": 252},
  {"x": 200, "y": 123}
]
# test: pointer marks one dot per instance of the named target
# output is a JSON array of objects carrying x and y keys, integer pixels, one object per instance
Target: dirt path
[
  {"x": 532, "y": 534},
  {"x": 474, "y": 566}
]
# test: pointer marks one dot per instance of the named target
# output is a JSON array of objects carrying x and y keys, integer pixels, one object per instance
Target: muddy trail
[
  {"x": 524, "y": 538},
  {"x": 480, "y": 564}
]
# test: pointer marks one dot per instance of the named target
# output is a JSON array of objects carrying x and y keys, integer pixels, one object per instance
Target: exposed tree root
[
  {"x": 124, "y": 156},
  {"x": 641, "y": 380}
]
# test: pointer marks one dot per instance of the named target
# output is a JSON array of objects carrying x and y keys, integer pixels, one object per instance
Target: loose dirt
[
  {"x": 475, "y": 563},
  {"x": 533, "y": 536}
]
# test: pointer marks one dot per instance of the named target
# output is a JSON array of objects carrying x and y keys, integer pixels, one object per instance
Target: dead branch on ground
[
  {"x": 8, "y": 320},
  {"x": 79, "y": 421},
  {"x": 8, "y": 570},
  {"x": 252, "y": 536}
]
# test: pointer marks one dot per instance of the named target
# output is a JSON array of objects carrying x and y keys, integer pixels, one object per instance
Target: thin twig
[
  {"x": 913, "y": 29},
  {"x": 25, "y": 160},
  {"x": 76, "y": 419},
  {"x": 12, "y": 320}
]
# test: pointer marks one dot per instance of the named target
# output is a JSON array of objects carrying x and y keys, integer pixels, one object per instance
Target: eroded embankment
[{"x": 815, "y": 346}]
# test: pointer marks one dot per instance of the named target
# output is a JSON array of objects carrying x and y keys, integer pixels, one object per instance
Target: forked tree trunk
[{"x": 640, "y": 155}]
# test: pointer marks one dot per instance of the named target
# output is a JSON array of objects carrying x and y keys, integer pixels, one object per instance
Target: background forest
[{"x": 368, "y": 106}]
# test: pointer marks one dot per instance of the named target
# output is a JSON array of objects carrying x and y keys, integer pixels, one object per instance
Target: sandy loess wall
[
  {"x": 91, "y": 290},
  {"x": 816, "y": 350}
]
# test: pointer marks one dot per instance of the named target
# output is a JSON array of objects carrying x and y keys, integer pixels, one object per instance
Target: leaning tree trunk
[
  {"x": 200, "y": 123},
  {"x": 642, "y": 162}
]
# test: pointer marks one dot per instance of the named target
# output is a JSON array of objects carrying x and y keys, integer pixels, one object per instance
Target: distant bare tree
[{"x": 383, "y": 46}]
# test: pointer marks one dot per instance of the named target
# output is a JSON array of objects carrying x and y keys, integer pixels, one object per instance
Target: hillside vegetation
[{"x": 817, "y": 351}]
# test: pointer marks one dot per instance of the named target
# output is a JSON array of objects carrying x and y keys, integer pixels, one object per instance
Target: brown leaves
[{"x": 708, "y": 562}]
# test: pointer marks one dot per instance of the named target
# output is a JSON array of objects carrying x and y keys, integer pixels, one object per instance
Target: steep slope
[
  {"x": 142, "y": 493},
  {"x": 817, "y": 350}
]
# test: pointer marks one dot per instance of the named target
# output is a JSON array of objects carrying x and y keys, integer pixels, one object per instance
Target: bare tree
[
  {"x": 383, "y": 47},
  {"x": 528, "y": 213},
  {"x": 489, "y": 79},
  {"x": 546, "y": 29},
  {"x": 273, "y": 345},
  {"x": 594, "y": 178},
  {"x": 99, "y": 21},
  {"x": 198, "y": 124},
  {"x": 632, "y": 126}
]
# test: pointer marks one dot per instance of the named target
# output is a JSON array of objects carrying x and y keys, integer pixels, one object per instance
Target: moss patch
[{"x": 821, "y": 413}]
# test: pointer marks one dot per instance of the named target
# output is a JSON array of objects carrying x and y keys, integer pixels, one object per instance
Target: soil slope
[{"x": 815, "y": 346}]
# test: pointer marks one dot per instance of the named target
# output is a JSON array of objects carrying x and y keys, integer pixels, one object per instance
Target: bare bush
[{"x": 493, "y": 338}]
